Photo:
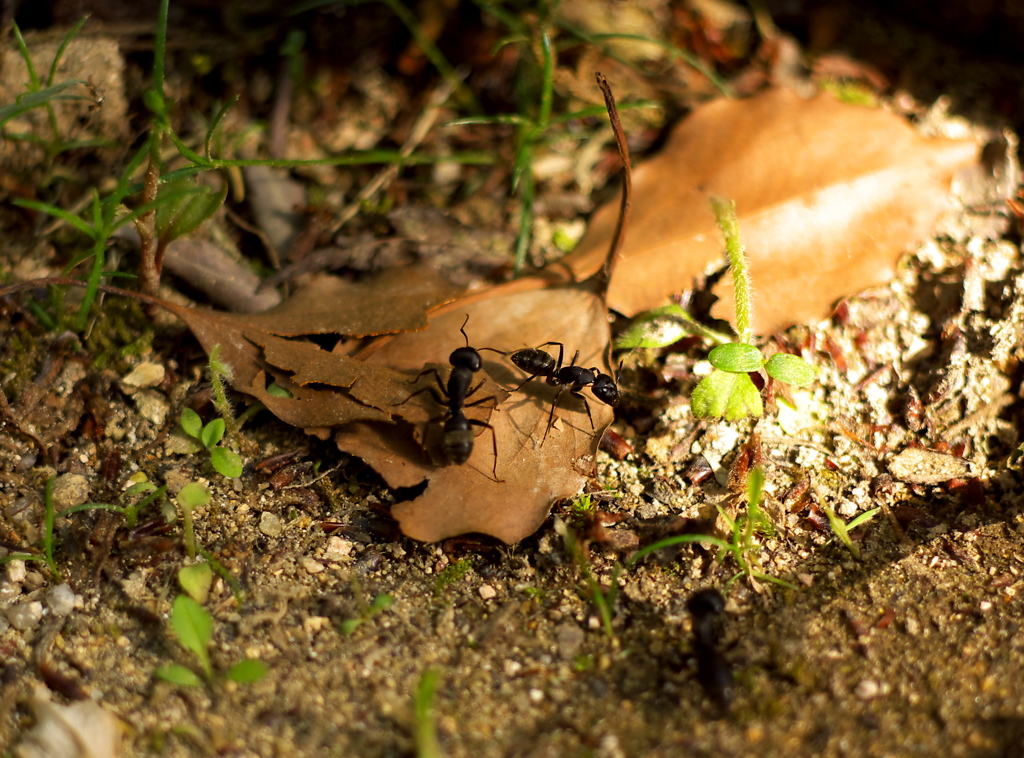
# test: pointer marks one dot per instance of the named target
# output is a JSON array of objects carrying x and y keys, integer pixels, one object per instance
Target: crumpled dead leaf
[
  {"x": 828, "y": 195},
  {"x": 463, "y": 499}
]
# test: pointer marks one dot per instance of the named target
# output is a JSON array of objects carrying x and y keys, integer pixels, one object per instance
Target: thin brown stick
[
  {"x": 605, "y": 275},
  {"x": 150, "y": 257}
]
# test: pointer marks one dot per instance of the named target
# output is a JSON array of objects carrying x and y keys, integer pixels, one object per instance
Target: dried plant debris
[
  {"x": 531, "y": 471},
  {"x": 828, "y": 196}
]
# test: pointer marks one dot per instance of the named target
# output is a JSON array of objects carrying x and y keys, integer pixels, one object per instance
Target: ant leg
[
  {"x": 494, "y": 444},
  {"x": 483, "y": 400},
  {"x": 586, "y": 405},
  {"x": 551, "y": 416},
  {"x": 431, "y": 390},
  {"x": 433, "y": 393}
]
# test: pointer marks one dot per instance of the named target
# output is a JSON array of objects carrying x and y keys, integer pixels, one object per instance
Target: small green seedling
[
  {"x": 193, "y": 626},
  {"x": 196, "y": 580},
  {"x": 193, "y": 495},
  {"x": 379, "y": 603},
  {"x": 728, "y": 391},
  {"x": 224, "y": 460},
  {"x": 842, "y": 530}
]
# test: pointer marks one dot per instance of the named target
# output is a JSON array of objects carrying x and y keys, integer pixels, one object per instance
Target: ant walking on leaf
[
  {"x": 457, "y": 430},
  {"x": 537, "y": 362}
]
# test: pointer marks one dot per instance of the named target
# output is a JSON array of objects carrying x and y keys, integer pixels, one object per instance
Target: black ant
[
  {"x": 537, "y": 362},
  {"x": 713, "y": 670},
  {"x": 457, "y": 434}
]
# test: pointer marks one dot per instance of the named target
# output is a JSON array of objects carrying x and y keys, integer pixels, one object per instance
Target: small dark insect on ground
[
  {"x": 457, "y": 440},
  {"x": 713, "y": 671},
  {"x": 537, "y": 362}
]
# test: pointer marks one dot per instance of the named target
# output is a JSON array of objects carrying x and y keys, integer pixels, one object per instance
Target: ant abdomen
[{"x": 533, "y": 361}]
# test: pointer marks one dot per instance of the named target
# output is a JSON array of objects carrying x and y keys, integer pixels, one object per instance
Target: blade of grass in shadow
[{"x": 427, "y": 745}]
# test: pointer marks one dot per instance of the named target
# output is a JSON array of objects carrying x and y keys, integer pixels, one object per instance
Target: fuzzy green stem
[
  {"x": 725, "y": 217},
  {"x": 218, "y": 371}
]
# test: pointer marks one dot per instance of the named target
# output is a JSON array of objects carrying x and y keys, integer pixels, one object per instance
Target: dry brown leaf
[
  {"x": 253, "y": 345},
  {"x": 828, "y": 195},
  {"x": 463, "y": 499}
]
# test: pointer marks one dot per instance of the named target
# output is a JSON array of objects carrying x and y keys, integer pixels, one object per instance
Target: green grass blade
[{"x": 63, "y": 49}]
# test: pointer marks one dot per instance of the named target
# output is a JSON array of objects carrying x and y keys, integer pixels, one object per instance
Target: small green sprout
[
  {"x": 193, "y": 495},
  {"x": 193, "y": 626},
  {"x": 196, "y": 580},
  {"x": 224, "y": 460},
  {"x": 842, "y": 530},
  {"x": 452, "y": 574},
  {"x": 379, "y": 603},
  {"x": 728, "y": 391}
]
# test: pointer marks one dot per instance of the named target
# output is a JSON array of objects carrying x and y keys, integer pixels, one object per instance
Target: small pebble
[
  {"x": 536, "y": 696},
  {"x": 8, "y": 592},
  {"x": 146, "y": 374},
  {"x": 61, "y": 600},
  {"x": 70, "y": 490},
  {"x": 487, "y": 592},
  {"x": 311, "y": 566},
  {"x": 16, "y": 572},
  {"x": 868, "y": 689},
  {"x": 271, "y": 524},
  {"x": 33, "y": 581},
  {"x": 25, "y": 616},
  {"x": 337, "y": 549}
]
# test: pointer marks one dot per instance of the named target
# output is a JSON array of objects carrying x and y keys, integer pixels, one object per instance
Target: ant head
[
  {"x": 706, "y": 603},
  {"x": 604, "y": 388}
]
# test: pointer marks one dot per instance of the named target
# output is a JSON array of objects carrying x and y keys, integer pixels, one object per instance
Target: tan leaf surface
[
  {"x": 827, "y": 194},
  {"x": 253, "y": 345},
  {"x": 463, "y": 499}
]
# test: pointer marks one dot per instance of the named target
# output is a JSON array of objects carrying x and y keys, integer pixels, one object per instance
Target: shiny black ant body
[
  {"x": 457, "y": 430},
  {"x": 713, "y": 670},
  {"x": 537, "y": 362}
]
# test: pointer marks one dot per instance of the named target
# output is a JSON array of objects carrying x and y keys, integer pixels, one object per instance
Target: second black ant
[
  {"x": 457, "y": 430},
  {"x": 537, "y": 362}
]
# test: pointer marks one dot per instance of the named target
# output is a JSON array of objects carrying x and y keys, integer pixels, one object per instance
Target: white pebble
[
  {"x": 16, "y": 572},
  {"x": 487, "y": 592},
  {"x": 61, "y": 600},
  {"x": 867, "y": 689},
  {"x": 24, "y": 616}
]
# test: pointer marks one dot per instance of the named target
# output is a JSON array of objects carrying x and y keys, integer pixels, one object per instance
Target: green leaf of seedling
[
  {"x": 276, "y": 390},
  {"x": 194, "y": 628},
  {"x": 381, "y": 602},
  {"x": 193, "y": 495},
  {"x": 140, "y": 488},
  {"x": 212, "y": 433},
  {"x": 226, "y": 462},
  {"x": 724, "y": 394},
  {"x": 350, "y": 625},
  {"x": 191, "y": 423},
  {"x": 196, "y": 581},
  {"x": 183, "y": 205},
  {"x": 180, "y": 675},
  {"x": 738, "y": 358},
  {"x": 38, "y": 99},
  {"x": 247, "y": 671},
  {"x": 863, "y": 518},
  {"x": 658, "y": 328},
  {"x": 791, "y": 369}
]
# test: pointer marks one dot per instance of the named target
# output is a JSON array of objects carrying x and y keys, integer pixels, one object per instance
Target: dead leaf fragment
[
  {"x": 828, "y": 195},
  {"x": 919, "y": 466},
  {"x": 464, "y": 499}
]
